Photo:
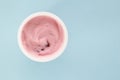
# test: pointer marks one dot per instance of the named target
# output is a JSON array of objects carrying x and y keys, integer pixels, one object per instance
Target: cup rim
[{"x": 46, "y": 58}]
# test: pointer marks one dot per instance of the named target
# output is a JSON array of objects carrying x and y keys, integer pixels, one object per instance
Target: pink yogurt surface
[{"x": 42, "y": 36}]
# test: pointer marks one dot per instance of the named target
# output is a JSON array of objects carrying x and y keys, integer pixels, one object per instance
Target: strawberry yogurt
[{"x": 42, "y": 37}]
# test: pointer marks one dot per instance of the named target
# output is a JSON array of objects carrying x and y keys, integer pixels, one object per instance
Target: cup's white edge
[{"x": 58, "y": 52}]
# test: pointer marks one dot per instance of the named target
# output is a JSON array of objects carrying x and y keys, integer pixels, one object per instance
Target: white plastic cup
[{"x": 44, "y": 58}]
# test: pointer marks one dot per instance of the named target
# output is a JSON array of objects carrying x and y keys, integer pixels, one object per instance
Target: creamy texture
[{"x": 42, "y": 36}]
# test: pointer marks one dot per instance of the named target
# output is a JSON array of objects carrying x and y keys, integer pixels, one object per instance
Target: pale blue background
[{"x": 93, "y": 51}]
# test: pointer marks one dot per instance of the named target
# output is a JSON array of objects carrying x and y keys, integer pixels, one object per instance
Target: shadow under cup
[{"x": 42, "y": 37}]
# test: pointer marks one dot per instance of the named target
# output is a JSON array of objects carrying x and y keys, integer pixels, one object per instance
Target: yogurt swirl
[{"x": 42, "y": 35}]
